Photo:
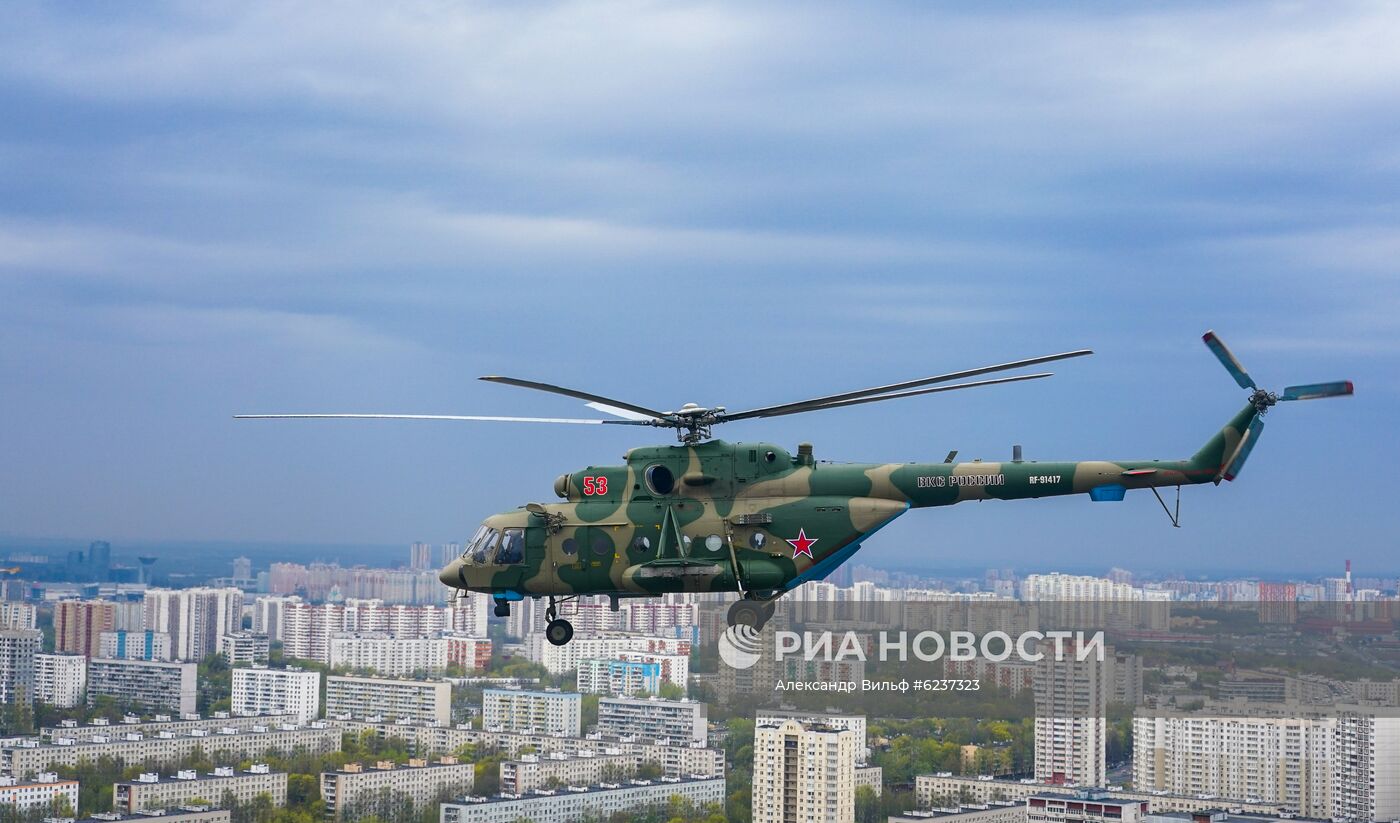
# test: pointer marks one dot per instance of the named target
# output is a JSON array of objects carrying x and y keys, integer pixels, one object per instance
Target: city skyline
[{"x": 667, "y": 205}]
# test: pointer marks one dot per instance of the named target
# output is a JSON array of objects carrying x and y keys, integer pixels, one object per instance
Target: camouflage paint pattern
[{"x": 745, "y": 504}]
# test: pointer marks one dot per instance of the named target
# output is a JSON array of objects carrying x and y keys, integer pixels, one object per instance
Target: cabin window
[
  {"x": 641, "y": 543},
  {"x": 714, "y": 542},
  {"x": 757, "y": 539},
  {"x": 660, "y": 479},
  {"x": 512, "y": 549},
  {"x": 570, "y": 546}
]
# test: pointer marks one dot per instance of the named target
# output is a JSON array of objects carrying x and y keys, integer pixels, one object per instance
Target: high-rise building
[
  {"x": 78, "y": 625},
  {"x": 420, "y": 556},
  {"x": 1269, "y": 754},
  {"x": 18, "y": 648},
  {"x": 60, "y": 679},
  {"x": 195, "y": 619},
  {"x": 99, "y": 559},
  {"x": 125, "y": 645},
  {"x": 242, "y": 568},
  {"x": 448, "y": 552},
  {"x": 266, "y": 691},
  {"x": 854, "y": 722},
  {"x": 804, "y": 772},
  {"x": 550, "y": 712},
  {"x": 17, "y": 615},
  {"x": 1070, "y": 721},
  {"x": 1366, "y": 765}
]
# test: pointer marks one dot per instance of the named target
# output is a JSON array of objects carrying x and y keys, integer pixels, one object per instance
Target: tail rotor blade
[
  {"x": 1228, "y": 359},
  {"x": 1313, "y": 391},
  {"x": 1251, "y": 436}
]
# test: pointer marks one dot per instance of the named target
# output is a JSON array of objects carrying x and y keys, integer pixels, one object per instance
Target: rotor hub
[{"x": 1263, "y": 399}]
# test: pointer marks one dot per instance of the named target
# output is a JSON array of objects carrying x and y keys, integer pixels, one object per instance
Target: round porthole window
[
  {"x": 685, "y": 543},
  {"x": 660, "y": 479},
  {"x": 769, "y": 457},
  {"x": 714, "y": 543},
  {"x": 757, "y": 539},
  {"x": 641, "y": 543},
  {"x": 570, "y": 546},
  {"x": 601, "y": 545}
]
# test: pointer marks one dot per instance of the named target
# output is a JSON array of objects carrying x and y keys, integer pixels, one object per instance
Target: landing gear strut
[{"x": 558, "y": 631}]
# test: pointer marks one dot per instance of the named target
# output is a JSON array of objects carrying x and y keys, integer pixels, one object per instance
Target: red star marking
[{"x": 802, "y": 544}]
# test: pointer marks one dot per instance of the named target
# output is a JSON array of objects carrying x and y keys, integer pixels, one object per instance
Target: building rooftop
[
  {"x": 219, "y": 773},
  {"x": 584, "y": 790},
  {"x": 389, "y": 765},
  {"x": 147, "y": 814},
  {"x": 118, "y": 734}
]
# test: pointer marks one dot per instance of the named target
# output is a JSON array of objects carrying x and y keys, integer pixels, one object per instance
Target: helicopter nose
[{"x": 451, "y": 575}]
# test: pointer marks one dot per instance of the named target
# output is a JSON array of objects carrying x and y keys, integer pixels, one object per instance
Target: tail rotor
[{"x": 1263, "y": 400}]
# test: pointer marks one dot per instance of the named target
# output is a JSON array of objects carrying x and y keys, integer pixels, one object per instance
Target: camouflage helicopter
[{"x": 755, "y": 519}]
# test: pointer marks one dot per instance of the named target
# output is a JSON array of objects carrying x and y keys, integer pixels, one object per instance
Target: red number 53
[{"x": 595, "y": 485}]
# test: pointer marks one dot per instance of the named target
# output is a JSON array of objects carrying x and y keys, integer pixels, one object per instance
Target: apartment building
[
  {"x": 389, "y": 654},
  {"x": 165, "y": 748},
  {"x": 469, "y": 652},
  {"x": 134, "y": 645},
  {"x": 195, "y": 618},
  {"x": 565, "y": 659},
  {"x": 245, "y": 648},
  {"x": 1070, "y": 722},
  {"x": 156, "y": 724},
  {"x": 60, "y": 679},
  {"x": 550, "y": 711},
  {"x": 18, "y": 650},
  {"x": 535, "y": 771},
  {"x": 45, "y": 791},
  {"x": 944, "y": 788},
  {"x": 429, "y": 701},
  {"x": 17, "y": 615},
  {"x": 618, "y": 677},
  {"x": 854, "y": 722},
  {"x": 653, "y": 717},
  {"x": 1366, "y": 773},
  {"x": 803, "y": 772},
  {"x": 578, "y": 802},
  {"x": 224, "y": 785},
  {"x": 1084, "y": 806},
  {"x": 674, "y": 757},
  {"x": 262, "y": 691},
  {"x": 181, "y": 814},
  {"x": 352, "y": 791},
  {"x": 78, "y": 625},
  {"x": 146, "y": 683}
]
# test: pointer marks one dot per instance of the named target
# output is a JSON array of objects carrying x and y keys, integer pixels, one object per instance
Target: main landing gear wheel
[
  {"x": 749, "y": 613},
  {"x": 559, "y": 631}
]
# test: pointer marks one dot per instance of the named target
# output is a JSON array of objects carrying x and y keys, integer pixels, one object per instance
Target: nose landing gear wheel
[
  {"x": 749, "y": 613},
  {"x": 559, "y": 632}
]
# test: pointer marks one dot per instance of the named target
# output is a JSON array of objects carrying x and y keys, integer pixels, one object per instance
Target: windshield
[{"x": 483, "y": 548}]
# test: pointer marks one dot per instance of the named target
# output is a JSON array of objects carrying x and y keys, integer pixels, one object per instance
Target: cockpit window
[
  {"x": 471, "y": 544},
  {"x": 483, "y": 548},
  {"x": 512, "y": 549}
]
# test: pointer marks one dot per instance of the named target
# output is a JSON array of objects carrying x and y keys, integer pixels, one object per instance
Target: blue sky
[{"x": 214, "y": 208}]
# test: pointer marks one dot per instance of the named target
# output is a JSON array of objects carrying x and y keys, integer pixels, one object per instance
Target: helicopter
[{"x": 755, "y": 519}]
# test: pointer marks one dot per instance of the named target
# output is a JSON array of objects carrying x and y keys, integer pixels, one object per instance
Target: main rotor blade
[
  {"x": 488, "y": 419},
  {"x": 855, "y": 401},
  {"x": 825, "y": 402},
  {"x": 1228, "y": 359},
  {"x": 581, "y": 395},
  {"x": 1313, "y": 391}
]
